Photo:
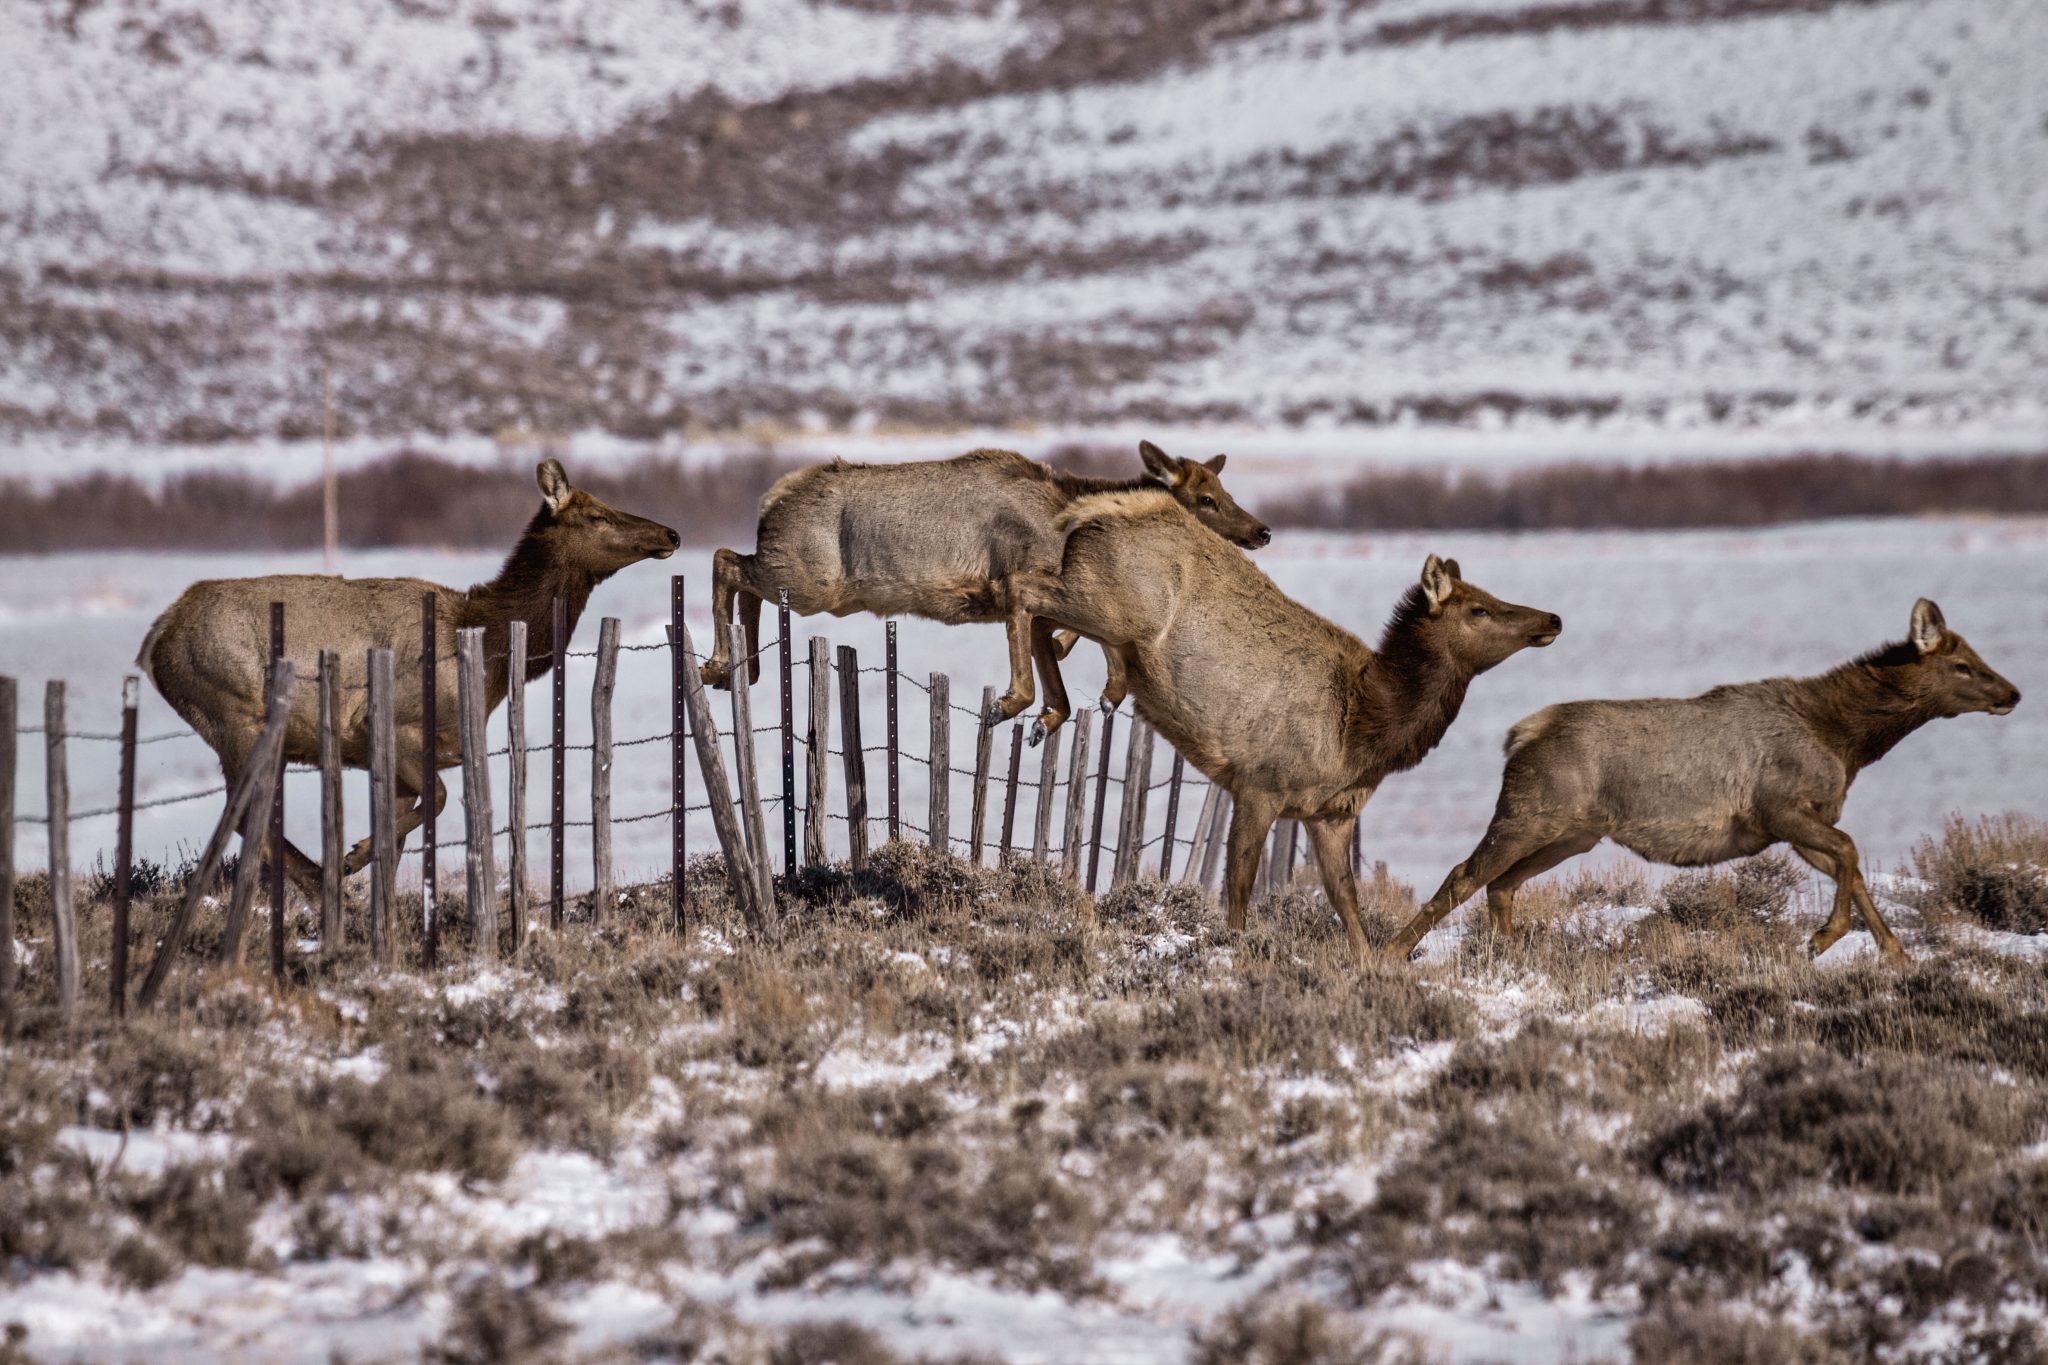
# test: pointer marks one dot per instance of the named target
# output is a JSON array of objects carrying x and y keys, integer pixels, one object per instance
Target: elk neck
[
  {"x": 1866, "y": 706},
  {"x": 534, "y": 574},
  {"x": 1406, "y": 696}
]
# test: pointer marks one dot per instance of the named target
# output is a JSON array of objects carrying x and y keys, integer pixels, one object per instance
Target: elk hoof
[
  {"x": 1107, "y": 707},
  {"x": 715, "y": 675}
]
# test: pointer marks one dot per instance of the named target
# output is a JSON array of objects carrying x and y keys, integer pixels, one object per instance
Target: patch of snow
[{"x": 144, "y": 1151}]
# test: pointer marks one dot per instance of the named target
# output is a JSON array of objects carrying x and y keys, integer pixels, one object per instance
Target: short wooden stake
[
  {"x": 940, "y": 816},
  {"x": 248, "y": 871},
  {"x": 1077, "y": 798},
  {"x": 984, "y": 736},
  {"x": 603, "y": 894},
  {"x": 817, "y": 751},
  {"x": 1204, "y": 820},
  {"x": 856, "y": 761},
  {"x": 1217, "y": 844},
  {"x": 1131, "y": 827}
]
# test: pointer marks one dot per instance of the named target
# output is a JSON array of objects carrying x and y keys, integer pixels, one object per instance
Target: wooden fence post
[
  {"x": 1217, "y": 844},
  {"x": 602, "y": 892},
  {"x": 1077, "y": 798},
  {"x": 939, "y": 758},
  {"x": 1290, "y": 838},
  {"x": 557, "y": 799},
  {"x": 10, "y": 716},
  {"x": 984, "y": 736},
  {"x": 64, "y": 934},
  {"x": 789, "y": 802},
  {"x": 752, "y": 824},
  {"x": 856, "y": 761},
  {"x": 480, "y": 879},
  {"x": 746, "y": 889},
  {"x": 1048, "y": 782},
  {"x": 269, "y": 744},
  {"x": 817, "y": 751},
  {"x": 1101, "y": 797},
  {"x": 678, "y": 768},
  {"x": 249, "y": 868},
  {"x": 383, "y": 804},
  {"x": 275, "y": 842},
  {"x": 1010, "y": 793},
  {"x": 895, "y": 805},
  {"x": 1172, "y": 818},
  {"x": 430, "y": 754},
  {"x": 1130, "y": 839},
  {"x": 332, "y": 851},
  {"x": 1203, "y": 819},
  {"x": 515, "y": 780},
  {"x": 124, "y": 853}
]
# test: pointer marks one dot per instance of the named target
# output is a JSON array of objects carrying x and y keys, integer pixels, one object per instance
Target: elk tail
[{"x": 145, "y": 659}]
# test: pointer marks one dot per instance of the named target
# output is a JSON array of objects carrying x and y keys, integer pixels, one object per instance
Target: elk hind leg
[
  {"x": 1251, "y": 819},
  {"x": 1045, "y": 653},
  {"x": 1330, "y": 837},
  {"x": 728, "y": 577},
  {"x": 1500, "y": 849},
  {"x": 1834, "y": 852},
  {"x": 1500, "y": 892}
]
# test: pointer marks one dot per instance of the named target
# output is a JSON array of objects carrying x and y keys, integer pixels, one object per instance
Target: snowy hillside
[{"x": 654, "y": 217}]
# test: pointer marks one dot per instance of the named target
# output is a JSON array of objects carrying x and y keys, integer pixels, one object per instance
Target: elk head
[
  {"x": 1947, "y": 674},
  {"x": 1475, "y": 627},
  {"x": 1196, "y": 487},
  {"x": 581, "y": 531}
]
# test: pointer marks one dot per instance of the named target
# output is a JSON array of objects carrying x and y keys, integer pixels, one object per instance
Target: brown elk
[
  {"x": 209, "y": 652},
  {"x": 1289, "y": 713},
  {"x": 1722, "y": 775},
  {"x": 944, "y": 539}
]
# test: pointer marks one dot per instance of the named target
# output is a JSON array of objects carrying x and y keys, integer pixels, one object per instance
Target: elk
[
  {"x": 944, "y": 539},
  {"x": 1288, "y": 712},
  {"x": 1723, "y": 775},
  {"x": 209, "y": 653}
]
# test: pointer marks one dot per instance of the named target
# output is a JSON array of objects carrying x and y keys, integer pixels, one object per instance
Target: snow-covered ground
[{"x": 1645, "y": 615}]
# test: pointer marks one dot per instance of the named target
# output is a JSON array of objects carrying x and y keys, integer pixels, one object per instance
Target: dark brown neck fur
[
  {"x": 525, "y": 590},
  {"x": 1862, "y": 709},
  {"x": 1407, "y": 696}
]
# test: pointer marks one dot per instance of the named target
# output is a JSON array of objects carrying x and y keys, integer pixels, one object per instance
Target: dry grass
[{"x": 944, "y": 1070}]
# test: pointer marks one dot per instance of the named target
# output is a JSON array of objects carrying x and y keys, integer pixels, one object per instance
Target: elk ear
[
  {"x": 1438, "y": 580},
  {"x": 554, "y": 484},
  {"x": 1928, "y": 627},
  {"x": 1160, "y": 467},
  {"x": 1215, "y": 465},
  {"x": 1451, "y": 568}
]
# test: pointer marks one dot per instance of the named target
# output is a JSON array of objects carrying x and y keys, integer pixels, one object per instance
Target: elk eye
[
  {"x": 1481, "y": 611},
  {"x": 1205, "y": 501},
  {"x": 1963, "y": 669}
]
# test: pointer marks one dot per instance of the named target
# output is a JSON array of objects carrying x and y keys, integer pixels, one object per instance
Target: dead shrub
[
  {"x": 496, "y": 1324},
  {"x": 1685, "y": 1334},
  {"x": 1804, "y": 1115},
  {"x": 1994, "y": 870},
  {"x": 1755, "y": 889},
  {"x": 162, "y": 1071},
  {"x": 1289, "y": 1330},
  {"x": 195, "y": 1210},
  {"x": 573, "y": 1094}
]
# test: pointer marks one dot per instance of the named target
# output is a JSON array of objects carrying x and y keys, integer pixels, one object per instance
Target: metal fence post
[
  {"x": 678, "y": 770},
  {"x": 557, "y": 835},
  {"x": 1172, "y": 817},
  {"x": 124, "y": 853},
  {"x": 789, "y": 803},
  {"x": 430, "y": 755},
  {"x": 276, "y": 840},
  {"x": 10, "y": 711}
]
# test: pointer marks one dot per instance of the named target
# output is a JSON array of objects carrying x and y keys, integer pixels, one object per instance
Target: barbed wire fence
[{"x": 1045, "y": 817}]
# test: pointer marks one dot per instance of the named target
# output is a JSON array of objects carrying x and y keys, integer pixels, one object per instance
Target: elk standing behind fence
[
  {"x": 1784, "y": 752},
  {"x": 1199, "y": 624}
]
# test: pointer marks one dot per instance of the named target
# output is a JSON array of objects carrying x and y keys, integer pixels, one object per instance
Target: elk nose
[
  {"x": 1264, "y": 536},
  {"x": 1556, "y": 623},
  {"x": 674, "y": 540}
]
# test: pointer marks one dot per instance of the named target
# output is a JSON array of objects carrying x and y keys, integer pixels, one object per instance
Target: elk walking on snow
[
  {"x": 1289, "y": 713},
  {"x": 209, "y": 653},
  {"x": 1722, "y": 775},
  {"x": 944, "y": 539}
]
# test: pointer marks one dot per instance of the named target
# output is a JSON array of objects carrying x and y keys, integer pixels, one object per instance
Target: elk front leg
[
  {"x": 1810, "y": 836},
  {"x": 1330, "y": 837},
  {"x": 409, "y": 780},
  {"x": 1045, "y": 652},
  {"x": 727, "y": 575},
  {"x": 1017, "y": 626},
  {"x": 1499, "y": 850},
  {"x": 1251, "y": 819},
  {"x": 1116, "y": 683}
]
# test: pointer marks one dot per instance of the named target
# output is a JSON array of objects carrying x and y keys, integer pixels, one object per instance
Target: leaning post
[
  {"x": 984, "y": 736},
  {"x": 383, "y": 804},
  {"x": 1172, "y": 817},
  {"x": 1101, "y": 798},
  {"x": 1010, "y": 793},
  {"x": 753, "y": 824}
]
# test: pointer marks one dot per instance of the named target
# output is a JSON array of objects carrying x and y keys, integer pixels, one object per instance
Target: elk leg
[
  {"x": 1500, "y": 892},
  {"x": 1045, "y": 653},
  {"x": 1498, "y": 851},
  {"x": 1116, "y": 680},
  {"x": 1810, "y": 835},
  {"x": 727, "y": 576},
  {"x": 1251, "y": 819},
  {"x": 1066, "y": 640},
  {"x": 408, "y": 782},
  {"x": 1330, "y": 837},
  {"x": 1017, "y": 627}
]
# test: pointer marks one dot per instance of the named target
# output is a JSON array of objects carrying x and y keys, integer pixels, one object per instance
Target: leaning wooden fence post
[
  {"x": 10, "y": 715},
  {"x": 331, "y": 846},
  {"x": 1204, "y": 818},
  {"x": 515, "y": 780},
  {"x": 940, "y": 760},
  {"x": 753, "y": 825},
  {"x": 1217, "y": 843},
  {"x": 1101, "y": 797},
  {"x": 1172, "y": 817},
  {"x": 984, "y": 736},
  {"x": 856, "y": 761},
  {"x": 1048, "y": 781},
  {"x": 787, "y": 664},
  {"x": 124, "y": 853},
  {"x": 746, "y": 889},
  {"x": 430, "y": 747},
  {"x": 383, "y": 803},
  {"x": 895, "y": 805},
  {"x": 479, "y": 862},
  {"x": 275, "y": 842},
  {"x": 64, "y": 934},
  {"x": 269, "y": 744},
  {"x": 678, "y": 768},
  {"x": 249, "y": 869},
  {"x": 602, "y": 892},
  {"x": 1077, "y": 798},
  {"x": 1010, "y": 792},
  {"x": 557, "y": 825},
  {"x": 1130, "y": 839},
  {"x": 817, "y": 750}
]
